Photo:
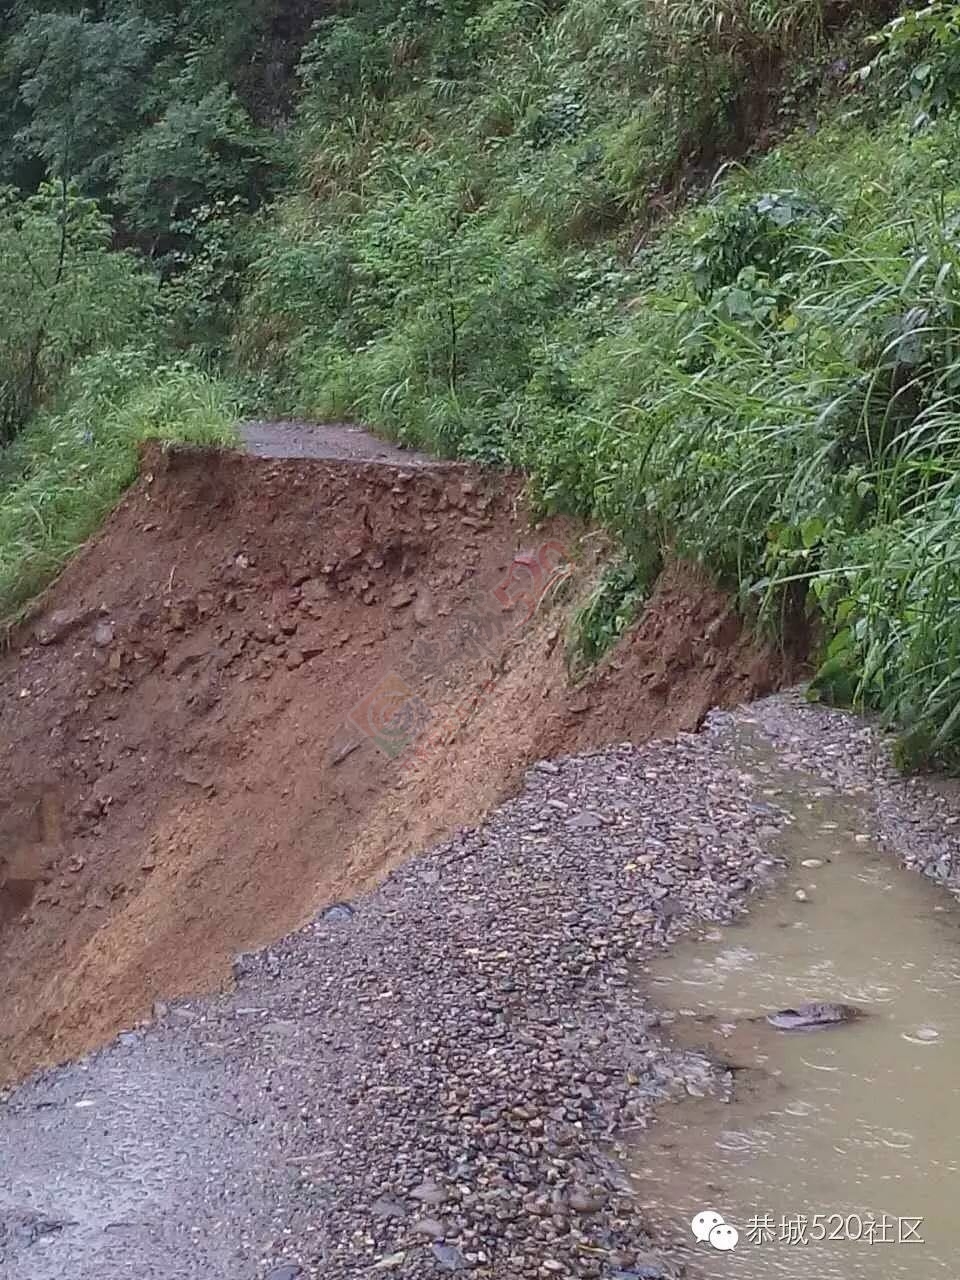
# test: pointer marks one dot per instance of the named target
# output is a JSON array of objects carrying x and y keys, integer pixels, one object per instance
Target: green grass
[
  {"x": 788, "y": 413},
  {"x": 506, "y": 245},
  {"x": 64, "y": 473},
  {"x": 610, "y": 609},
  {"x": 768, "y": 383}
]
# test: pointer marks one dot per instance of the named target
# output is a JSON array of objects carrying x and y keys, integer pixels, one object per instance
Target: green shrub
[
  {"x": 612, "y": 606},
  {"x": 66, "y": 469},
  {"x": 65, "y": 294}
]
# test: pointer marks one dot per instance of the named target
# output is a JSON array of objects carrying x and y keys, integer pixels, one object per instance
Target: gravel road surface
[
  {"x": 435, "y": 1079},
  {"x": 327, "y": 440}
]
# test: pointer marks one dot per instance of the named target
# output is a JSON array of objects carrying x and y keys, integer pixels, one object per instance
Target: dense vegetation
[{"x": 693, "y": 265}]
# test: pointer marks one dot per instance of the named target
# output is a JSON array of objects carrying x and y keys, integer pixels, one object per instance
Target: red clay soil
[{"x": 182, "y": 777}]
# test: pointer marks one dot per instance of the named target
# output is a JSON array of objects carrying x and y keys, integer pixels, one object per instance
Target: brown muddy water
[{"x": 838, "y": 1140}]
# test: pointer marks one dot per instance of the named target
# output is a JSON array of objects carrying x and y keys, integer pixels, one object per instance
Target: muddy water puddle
[{"x": 839, "y": 1156}]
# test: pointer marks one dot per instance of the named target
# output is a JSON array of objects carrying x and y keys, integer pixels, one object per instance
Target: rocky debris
[
  {"x": 648, "y": 1266},
  {"x": 436, "y": 1083},
  {"x": 402, "y": 595},
  {"x": 103, "y": 634},
  {"x": 476, "y": 1039},
  {"x": 445, "y": 1080},
  {"x": 912, "y": 820},
  {"x": 338, "y": 912},
  {"x": 450, "y": 1257},
  {"x": 815, "y": 1014},
  {"x": 424, "y": 608},
  {"x": 62, "y": 623}
]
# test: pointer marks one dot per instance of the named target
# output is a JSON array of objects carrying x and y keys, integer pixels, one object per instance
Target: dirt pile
[{"x": 265, "y": 683}]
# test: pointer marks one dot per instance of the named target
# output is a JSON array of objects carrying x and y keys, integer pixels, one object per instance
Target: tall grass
[
  {"x": 769, "y": 384},
  {"x": 795, "y": 424},
  {"x": 66, "y": 469}
]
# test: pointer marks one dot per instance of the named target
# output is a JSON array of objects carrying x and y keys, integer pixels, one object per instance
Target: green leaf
[{"x": 811, "y": 531}]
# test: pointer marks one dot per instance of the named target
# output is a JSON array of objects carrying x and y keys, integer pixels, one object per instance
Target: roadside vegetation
[{"x": 693, "y": 266}]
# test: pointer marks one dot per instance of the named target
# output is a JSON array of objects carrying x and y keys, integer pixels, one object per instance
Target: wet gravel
[{"x": 437, "y": 1079}]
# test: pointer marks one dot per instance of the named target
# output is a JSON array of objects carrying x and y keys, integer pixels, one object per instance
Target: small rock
[
  {"x": 546, "y": 766},
  {"x": 401, "y": 596},
  {"x": 286, "y": 1271},
  {"x": 338, "y": 912},
  {"x": 581, "y": 1202},
  {"x": 669, "y": 906},
  {"x": 61, "y": 623},
  {"x": 814, "y": 1014},
  {"x": 431, "y": 1227},
  {"x": 430, "y": 1193},
  {"x": 812, "y": 862},
  {"x": 584, "y": 821},
  {"x": 645, "y": 1267},
  {"x": 387, "y": 1207},
  {"x": 449, "y": 1256},
  {"x": 801, "y": 895},
  {"x": 423, "y": 609},
  {"x": 294, "y": 659},
  {"x": 103, "y": 634}
]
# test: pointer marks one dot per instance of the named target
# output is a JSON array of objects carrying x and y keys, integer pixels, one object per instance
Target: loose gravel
[{"x": 436, "y": 1079}]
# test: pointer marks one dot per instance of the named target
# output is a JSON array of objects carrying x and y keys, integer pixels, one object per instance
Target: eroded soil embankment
[{"x": 181, "y": 779}]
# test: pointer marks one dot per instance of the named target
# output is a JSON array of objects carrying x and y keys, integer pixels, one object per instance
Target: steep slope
[{"x": 265, "y": 683}]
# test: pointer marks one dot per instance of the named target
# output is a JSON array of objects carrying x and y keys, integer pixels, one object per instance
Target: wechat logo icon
[{"x": 708, "y": 1227}]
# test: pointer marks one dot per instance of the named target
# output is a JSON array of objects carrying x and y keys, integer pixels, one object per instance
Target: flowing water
[{"x": 839, "y": 1157}]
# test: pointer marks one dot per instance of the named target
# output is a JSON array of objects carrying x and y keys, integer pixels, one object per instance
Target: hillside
[
  {"x": 691, "y": 267},
  {"x": 447, "y": 450}
]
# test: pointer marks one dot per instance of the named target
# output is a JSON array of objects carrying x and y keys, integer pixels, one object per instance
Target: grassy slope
[
  {"x": 66, "y": 470},
  {"x": 769, "y": 383},
  {"x": 481, "y": 260}
]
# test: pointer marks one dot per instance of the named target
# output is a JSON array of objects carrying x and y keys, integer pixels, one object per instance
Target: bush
[
  {"x": 66, "y": 295},
  {"x": 65, "y": 471}
]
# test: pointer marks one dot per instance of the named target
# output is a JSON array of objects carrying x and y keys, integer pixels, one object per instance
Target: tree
[
  {"x": 80, "y": 82},
  {"x": 66, "y": 294}
]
